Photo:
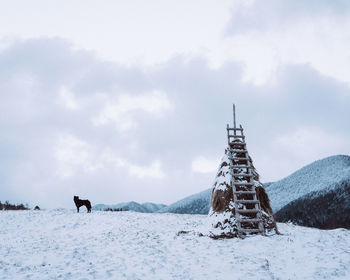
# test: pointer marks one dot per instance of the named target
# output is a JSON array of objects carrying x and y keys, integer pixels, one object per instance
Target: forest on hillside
[{"x": 327, "y": 210}]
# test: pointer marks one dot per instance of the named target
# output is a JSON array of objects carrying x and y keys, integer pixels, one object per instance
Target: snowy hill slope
[
  {"x": 325, "y": 209},
  {"x": 153, "y": 207},
  {"x": 147, "y": 207},
  {"x": 63, "y": 244},
  {"x": 195, "y": 204},
  {"x": 317, "y": 177}
]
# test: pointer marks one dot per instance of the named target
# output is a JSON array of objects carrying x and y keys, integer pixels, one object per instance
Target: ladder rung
[
  {"x": 250, "y": 230},
  {"x": 249, "y": 220},
  {"x": 240, "y": 166},
  {"x": 232, "y": 128},
  {"x": 242, "y": 183},
  {"x": 237, "y": 143},
  {"x": 242, "y": 175},
  {"x": 236, "y": 136},
  {"x": 243, "y": 211},
  {"x": 248, "y": 201},
  {"x": 238, "y": 151},
  {"x": 240, "y": 158},
  {"x": 245, "y": 192}
]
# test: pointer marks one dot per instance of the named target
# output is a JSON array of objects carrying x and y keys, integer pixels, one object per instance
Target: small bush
[{"x": 113, "y": 209}]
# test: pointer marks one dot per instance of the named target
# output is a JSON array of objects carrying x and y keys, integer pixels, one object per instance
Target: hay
[{"x": 222, "y": 211}]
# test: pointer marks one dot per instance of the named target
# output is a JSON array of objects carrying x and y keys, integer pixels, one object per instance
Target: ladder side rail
[
  {"x": 233, "y": 186},
  {"x": 257, "y": 207}
]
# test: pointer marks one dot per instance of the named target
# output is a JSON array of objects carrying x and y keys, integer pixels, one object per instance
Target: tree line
[{"x": 8, "y": 206}]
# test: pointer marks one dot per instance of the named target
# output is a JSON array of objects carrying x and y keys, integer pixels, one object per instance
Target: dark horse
[{"x": 80, "y": 202}]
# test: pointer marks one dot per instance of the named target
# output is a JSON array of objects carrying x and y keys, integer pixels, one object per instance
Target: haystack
[{"x": 239, "y": 204}]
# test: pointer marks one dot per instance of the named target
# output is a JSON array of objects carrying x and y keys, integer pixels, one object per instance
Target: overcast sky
[{"x": 129, "y": 100}]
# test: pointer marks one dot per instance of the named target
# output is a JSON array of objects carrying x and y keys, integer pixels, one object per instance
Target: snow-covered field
[{"x": 61, "y": 244}]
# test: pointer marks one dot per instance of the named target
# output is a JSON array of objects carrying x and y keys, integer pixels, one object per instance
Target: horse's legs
[{"x": 77, "y": 209}]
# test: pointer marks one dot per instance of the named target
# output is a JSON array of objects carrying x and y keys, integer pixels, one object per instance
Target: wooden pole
[
  {"x": 234, "y": 119},
  {"x": 228, "y": 134}
]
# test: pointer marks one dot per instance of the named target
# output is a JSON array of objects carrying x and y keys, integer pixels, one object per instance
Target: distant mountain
[
  {"x": 195, "y": 204},
  {"x": 198, "y": 203},
  {"x": 147, "y": 207},
  {"x": 317, "y": 195},
  {"x": 153, "y": 207},
  {"x": 315, "y": 179},
  {"x": 323, "y": 180},
  {"x": 327, "y": 209}
]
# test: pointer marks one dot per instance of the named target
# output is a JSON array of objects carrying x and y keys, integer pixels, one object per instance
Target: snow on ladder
[{"x": 247, "y": 206}]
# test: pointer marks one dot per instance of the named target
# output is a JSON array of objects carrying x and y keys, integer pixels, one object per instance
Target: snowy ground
[{"x": 61, "y": 244}]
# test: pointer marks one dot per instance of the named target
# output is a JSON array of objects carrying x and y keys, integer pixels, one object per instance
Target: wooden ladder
[{"x": 247, "y": 206}]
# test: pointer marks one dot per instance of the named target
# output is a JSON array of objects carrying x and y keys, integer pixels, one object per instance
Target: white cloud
[
  {"x": 72, "y": 154},
  {"x": 266, "y": 34},
  {"x": 264, "y": 51},
  {"x": 152, "y": 156},
  {"x": 67, "y": 99},
  {"x": 287, "y": 152},
  {"x": 262, "y": 34},
  {"x": 204, "y": 165},
  {"x": 154, "y": 170},
  {"x": 130, "y": 32},
  {"x": 310, "y": 142},
  {"x": 119, "y": 111}
]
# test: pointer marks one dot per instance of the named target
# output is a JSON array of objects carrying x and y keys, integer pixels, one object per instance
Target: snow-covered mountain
[
  {"x": 322, "y": 178},
  {"x": 314, "y": 179},
  {"x": 195, "y": 204},
  {"x": 147, "y": 207},
  {"x": 153, "y": 207},
  {"x": 325, "y": 209}
]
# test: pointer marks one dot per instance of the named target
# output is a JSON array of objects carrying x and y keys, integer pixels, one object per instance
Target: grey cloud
[
  {"x": 32, "y": 120},
  {"x": 274, "y": 13}
]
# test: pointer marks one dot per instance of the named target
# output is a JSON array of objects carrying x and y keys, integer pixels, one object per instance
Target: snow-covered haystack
[
  {"x": 222, "y": 209},
  {"x": 221, "y": 213}
]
